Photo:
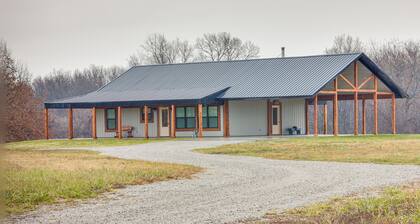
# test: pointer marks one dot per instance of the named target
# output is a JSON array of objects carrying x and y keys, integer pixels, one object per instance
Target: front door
[
  {"x": 276, "y": 122},
  {"x": 164, "y": 121}
]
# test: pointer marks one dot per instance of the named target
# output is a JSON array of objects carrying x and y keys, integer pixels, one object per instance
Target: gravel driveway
[{"x": 231, "y": 188}]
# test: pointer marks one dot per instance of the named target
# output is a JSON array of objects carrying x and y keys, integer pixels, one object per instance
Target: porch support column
[
  {"x": 46, "y": 123},
  {"x": 356, "y": 100},
  {"x": 325, "y": 118},
  {"x": 70, "y": 128},
  {"x": 226, "y": 131},
  {"x": 335, "y": 109},
  {"x": 364, "y": 116},
  {"x": 375, "y": 107},
  {"x": 94, "y": 123},
  {"x": 307, "y": 117},
  {"x": 394, "y": 115},
  {"x": 200, "y": 120},
  {"x": 316, "y": 115},
  {"x": 173, "y": 121},
  {"x": 269, "y": 117},
  {"x": 146, "y": 121},
  {"x": 119, "y": 122}
]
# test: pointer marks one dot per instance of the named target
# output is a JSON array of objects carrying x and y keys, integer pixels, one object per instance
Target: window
[
  {"x": 275, "y": 116},
  {"x": 185, "y": 117},
  {"x": 210, "y": 117},
  {"x": 165, "y": 115},
  {"x": 111, "y": 119},
  {"x": 150, "y": 115}
]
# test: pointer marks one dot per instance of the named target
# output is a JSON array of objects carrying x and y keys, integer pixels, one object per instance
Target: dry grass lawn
[
  {"x": 35, "y": 177},
  {"x": 386, "y": 149},
  {"x": 390, "y": 206}
]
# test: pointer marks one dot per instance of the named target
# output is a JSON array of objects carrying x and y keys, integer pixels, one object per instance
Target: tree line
[{"x": 24, "y": 96}]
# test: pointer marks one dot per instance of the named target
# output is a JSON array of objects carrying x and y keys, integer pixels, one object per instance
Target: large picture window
[
  {"x": 210, "y": 117},
  {"x": 185, "y": 117},
  {"x": 111, "y": 119}
]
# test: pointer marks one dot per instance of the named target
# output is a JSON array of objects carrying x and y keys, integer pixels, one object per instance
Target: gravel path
[{"x": 231, "y": 188}]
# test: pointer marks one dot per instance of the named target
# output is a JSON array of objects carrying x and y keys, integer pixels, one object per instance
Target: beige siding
[
  {"x": 293, "y": 114},
  {"x": 248, "y": 117}
]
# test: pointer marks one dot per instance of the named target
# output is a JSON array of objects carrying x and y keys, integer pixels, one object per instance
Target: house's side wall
[
  {"x": 131, "y": 117},
  {"x": 247, "y": 117},
  {"x": 205, "y": 133},
  {"x": 293, "y": 114}
]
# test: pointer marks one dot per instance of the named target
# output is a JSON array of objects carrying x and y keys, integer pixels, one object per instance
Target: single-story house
[{"x": 267, "y": 96}]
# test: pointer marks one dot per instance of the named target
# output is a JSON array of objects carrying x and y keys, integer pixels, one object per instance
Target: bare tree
[
  {"x": 345, "y": 43},
  {"x": 222, "y": 46}
]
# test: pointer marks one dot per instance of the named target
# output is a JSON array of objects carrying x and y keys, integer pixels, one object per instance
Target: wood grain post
[
  {"x": 325, "y": 118},
  {"x": 119, "y": 122},
  {"x": 307, "y": 131},
  {"x": 70, "y": 121},
  {"x": 200, "y": 120},
  {"x": 94, "y": 123},
  {"x": 356, "y": 98},
  {"x": 146, "y": 121},
  {"x": 173, "y": 125},
  {"x": 316, "y": 115},
  {"x": 269, "y": 117},
  {"x": 375, "y": 107},
  {"x": 226, "y": 131},
  {"x": 335, "y": 109},
  {"x": 364, "y": 116},
  {"x": 46, "y": 124},
  {"x": 394, "y": 115}
]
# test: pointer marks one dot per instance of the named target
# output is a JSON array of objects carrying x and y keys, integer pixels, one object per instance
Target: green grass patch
[
  {"x": 384, "y": 149},
  {"x": 79, "y": 143},
  {"x": 393, "y": 205},
  {"x": 36, "y": 177}
]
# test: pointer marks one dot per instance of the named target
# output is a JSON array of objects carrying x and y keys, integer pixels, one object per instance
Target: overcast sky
[{"x": 48, "y": 34}]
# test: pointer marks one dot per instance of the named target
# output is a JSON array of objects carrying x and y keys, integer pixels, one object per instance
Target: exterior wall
[
  {"x": 205, "y": 133},
  {"x": 293, "y": 114},
  {"x": 130, "y": 116},
  {"x": 247, "y": 117}
]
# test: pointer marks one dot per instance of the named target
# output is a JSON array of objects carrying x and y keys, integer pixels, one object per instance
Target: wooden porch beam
[
  {"x": 70, "y": 121},
  {"x": 335, "y": 110},
  {"x": 394, "y": 115},
  {"x": 146, "y": 121},
  {"x": 119, "y": 122},
  {"x": 316, "y": 115},
  {"x": 46, "y": 124},
  {"x": 200, "y": 120},
  {"x": 356, "y": 102},
  {"x": 364, "y": 116},
  {"x": 347, "y": 81},
  {"x": 226, "y": 131},
  {"x": 375, "y": 107},
  {"x": 269, "y": 117},
  {"x": 94, "y": 123},
  {"x": 366, "y": 81}
]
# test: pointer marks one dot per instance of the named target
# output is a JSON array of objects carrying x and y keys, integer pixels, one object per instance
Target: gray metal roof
[{"x": 256, "y": 78}]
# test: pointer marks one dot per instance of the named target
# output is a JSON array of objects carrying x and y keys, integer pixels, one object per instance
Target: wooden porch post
[
  {"x": 226, "y": 131},
  {"x": 335, "y": 109},
  {"x": 307, "y": 117},
  {"x": 119, "y": 122},
  {"x": 394, "y": 115},
  {"x": 46, "y": 123},
  {"x": 325, "y": 118},
  {"x": 70, "y": 117},
  {"x": 269, "y": 117},
  {"x": 375, "y": 107},
  {"x": 200, "y": 120},
  {"x": 94, "y": 123},
  {"x": 146, "y": 121},
  {"x": 356, "y": 100},
  {"x": 316, "y": 115},
  {"x": 364, "y": 116},
  {"x": 173, "y": 134}
]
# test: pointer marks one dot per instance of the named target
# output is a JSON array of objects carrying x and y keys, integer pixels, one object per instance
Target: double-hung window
[
  {"x": 185, "y": 117},
  {"x": 111, "y": 119},
  {"x": 210, "y": 117},
  {"x": 149, "y": 115}
]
